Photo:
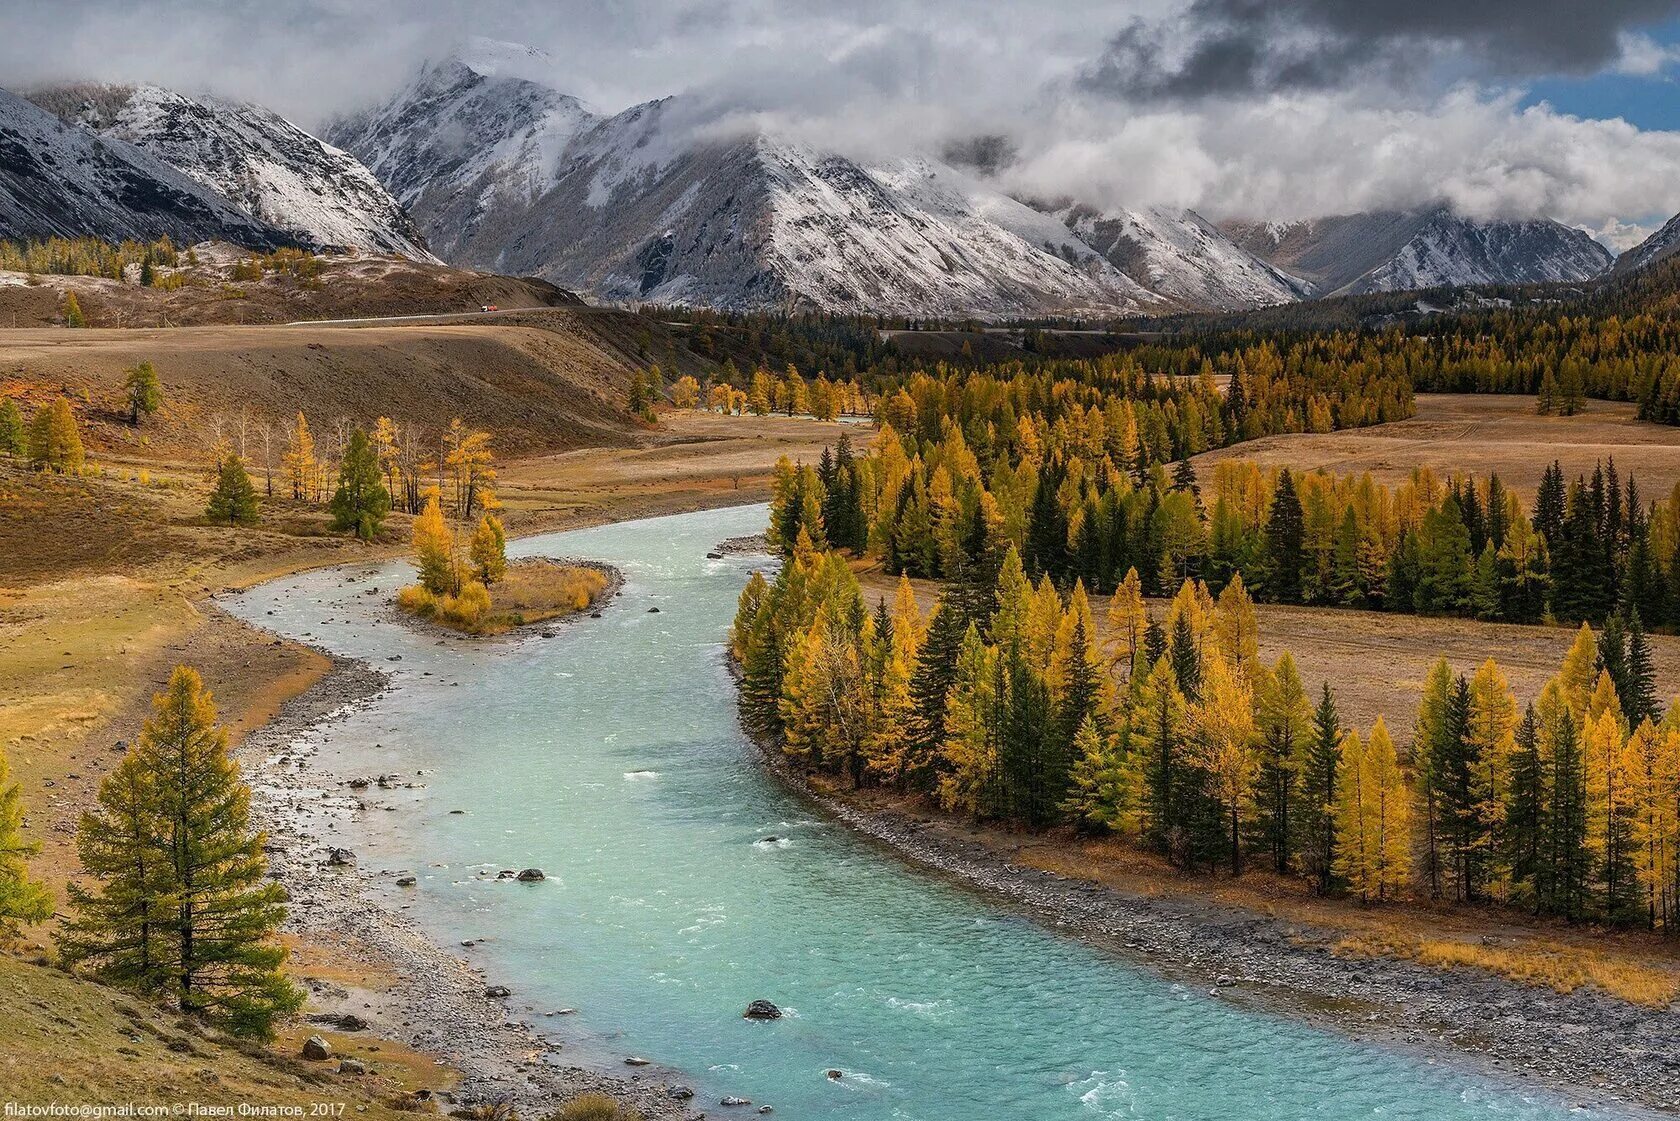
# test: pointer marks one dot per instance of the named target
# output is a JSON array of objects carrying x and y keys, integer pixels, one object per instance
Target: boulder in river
[
  {"x": 405, "y": 881},
  {"x": 679, "y": 1093},
  {"x": 317, "y": 1048},
  {"x": 733, "y": 1100},
  {"x": 531, "y": 876},
  {"x": 498, "y": 992},
  {"x": 636, "y": 1061},
  {"x": 836, "y": 1075},
  {"x": 762, "y": 1010},
  {"x": 341, "y": 858}
]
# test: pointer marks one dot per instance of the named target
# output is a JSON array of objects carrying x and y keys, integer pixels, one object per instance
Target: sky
[{"x": 1276, "y": 109}]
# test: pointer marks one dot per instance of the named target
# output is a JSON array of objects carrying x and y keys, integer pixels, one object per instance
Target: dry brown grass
[
  {"x": 72, "y": 1041},
  {"x": 1478, "y": 434},
  {"x": 1537, "y": 961},
  {"x": 534, "y": 591}
]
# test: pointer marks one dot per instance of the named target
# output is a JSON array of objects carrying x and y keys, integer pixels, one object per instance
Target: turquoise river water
[{"x": 610, "y": 756}]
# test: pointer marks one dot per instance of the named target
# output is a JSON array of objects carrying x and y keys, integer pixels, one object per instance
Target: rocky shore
[
  {"x": 1590, "y": 1049},
  {"x": 438, "y": 1003}
]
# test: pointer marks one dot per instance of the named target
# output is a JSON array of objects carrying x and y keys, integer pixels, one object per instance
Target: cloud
[
  {"x": 1315, "y": 153},
  {"x": 1230, "y": 48},
  {"x": 1644, "y": 57},
  {"x": 1274, "y": 108}
]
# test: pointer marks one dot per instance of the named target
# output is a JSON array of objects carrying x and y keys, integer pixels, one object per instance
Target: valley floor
[{"x": 107, "y": 583}]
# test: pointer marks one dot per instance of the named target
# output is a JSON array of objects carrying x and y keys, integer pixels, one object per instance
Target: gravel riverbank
[{"x": 1591, "y": 1049}]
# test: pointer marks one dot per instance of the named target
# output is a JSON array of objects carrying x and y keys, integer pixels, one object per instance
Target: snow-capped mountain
[
  {"x": 59, "y": 179},
  {"x": 1658, "y": 247},
  {"x": 1391, "y": 251},
  {"x": 662, "y": 203},
  {"x": 1183, "y": 257},
  {"x": 254, "y": 158}
]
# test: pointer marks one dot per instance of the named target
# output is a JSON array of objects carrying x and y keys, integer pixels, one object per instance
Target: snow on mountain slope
[
  {"x": 1388, "y": 251},
  {"x": 1659, "y": 246},
  {"x": 1183, "y": 257},
  {"x": 461, "y": 141},
  {"x": 655, "y": 203},
  {"x": 60, "y": 179},
  {"x": 256, "y": 159},
  {"x": 1450, "y": 251}
]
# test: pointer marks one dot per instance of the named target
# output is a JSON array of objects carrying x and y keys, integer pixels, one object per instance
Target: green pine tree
[
  {"x": 184, "y": 906},
  {"x": 145, "y": 392},
  {"x": 234, "y": 500},
  {"x": 1320, "y": 759},
  {"x": 13, "y": 435},
  {"x": 21, "y": 899},
  {"x": 361, "y": 501}
]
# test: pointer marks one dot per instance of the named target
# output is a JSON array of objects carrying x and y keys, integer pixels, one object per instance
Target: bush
[
  {"x": 466, "y": 611},
  {"x": 595, "y": 1107}
]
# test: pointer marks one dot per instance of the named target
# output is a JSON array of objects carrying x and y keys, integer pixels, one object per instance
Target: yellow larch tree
[
  {"x": 1391, "y": 809},
  {"x": 1354, "y": 861},
  {"x": 1490, "y": 738},
  {"x": 1651, "y": 766},
  {"x": 1222, "y": 742},
  {"x": 970, "y": 750},
  {"x": 1235, "y": 625},
  {"x": 1128, "y": 621},
  {"x": 299, "y": 462}
]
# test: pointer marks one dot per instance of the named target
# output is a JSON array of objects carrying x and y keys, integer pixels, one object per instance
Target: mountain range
[{"x": 482, "y": 167}]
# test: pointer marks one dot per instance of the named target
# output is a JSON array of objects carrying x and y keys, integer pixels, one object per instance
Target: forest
[{"x": 1004, "y": 704}]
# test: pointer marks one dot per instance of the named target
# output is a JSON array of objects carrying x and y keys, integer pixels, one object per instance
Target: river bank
[
  {"x": 403, "y": 986},
  {"x": 1590, "y": 1048}
]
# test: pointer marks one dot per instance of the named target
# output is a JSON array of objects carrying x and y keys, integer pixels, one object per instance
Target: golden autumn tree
[
  {"x": 1128, "y": 621},
  {"x": 1222, "y": 737},
  {"x": 488, "y": 550},
  {"x": 970, "y": 749},
  {"x": 55, "y": 443},
  {"x": 1651, "y": 766},
  {"x": 299, "y": 462},
  {"x": 434, "y": 550}
]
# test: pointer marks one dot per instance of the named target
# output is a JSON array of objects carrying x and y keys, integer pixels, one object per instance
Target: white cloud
[
  {"x": 877, "y": 77},
  {"x": 1314, "y": 154},
  {"x": 1642, "y": 56}
]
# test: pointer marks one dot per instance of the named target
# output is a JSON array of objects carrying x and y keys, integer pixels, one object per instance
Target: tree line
[
  {"x": 1008, "y": 702},
  {"x": 1462, "y": 546}
]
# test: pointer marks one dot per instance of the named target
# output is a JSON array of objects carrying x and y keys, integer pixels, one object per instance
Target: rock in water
[
  {"x": 679, "y": 1093},
  {"x": 341, "y": 858},
  {"x": 530, "y": 876},
  {"x": 762, "y": 1010},
  {"x": 497, "y": 992},
  {"x": 836, "y": 1075},
  {"x": 316, "y": 1048},
  {"x": 735, "y": 1101}
]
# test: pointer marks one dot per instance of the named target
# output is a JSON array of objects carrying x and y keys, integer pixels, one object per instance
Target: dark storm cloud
[{"x": 1226, "y": 48}]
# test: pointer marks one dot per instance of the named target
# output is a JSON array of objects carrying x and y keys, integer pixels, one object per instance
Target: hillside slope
[
  {"x": 552, "y": 381},
  {"x": 332, "y": 286}
]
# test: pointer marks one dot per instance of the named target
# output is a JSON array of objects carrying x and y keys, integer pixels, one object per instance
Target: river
[{"x": 683, "y": 882}]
